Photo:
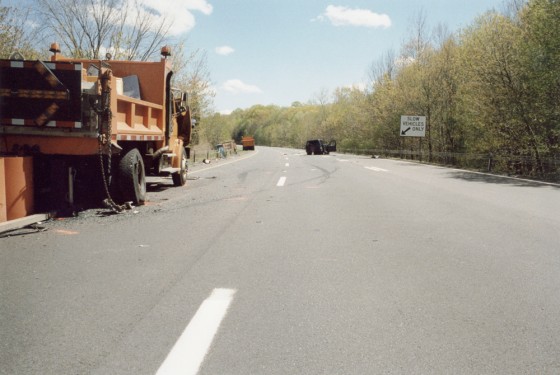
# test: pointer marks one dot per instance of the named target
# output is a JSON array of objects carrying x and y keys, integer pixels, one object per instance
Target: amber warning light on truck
[{"x": 413, "y": 126}]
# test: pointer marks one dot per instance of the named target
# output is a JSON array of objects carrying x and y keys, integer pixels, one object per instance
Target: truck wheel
[
  {"x": 132, "y": 177},
  {"x": 180, "y": 178}
]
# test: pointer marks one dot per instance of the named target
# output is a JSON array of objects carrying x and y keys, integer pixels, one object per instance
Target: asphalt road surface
[{"x": 275, "y": 262}]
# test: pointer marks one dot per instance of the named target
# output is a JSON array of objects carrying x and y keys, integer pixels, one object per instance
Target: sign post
[{"x": 413, "y": 126}]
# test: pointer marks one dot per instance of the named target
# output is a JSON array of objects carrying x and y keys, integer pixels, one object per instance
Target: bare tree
[
  {"x": 322, "y": 97},
  {"x": 193, "y": 76},
  {"x": 87, "y": 28},
  {"x": 419, "y": 39},
  {"x": 441, "y": 35},
  {"x": 383, "y": 68},
  {"x": 512, "y": 8},
  {"x": 142, "y": 37}
]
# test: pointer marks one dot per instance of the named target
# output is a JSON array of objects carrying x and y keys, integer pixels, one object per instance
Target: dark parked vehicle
[{"x": 318, "y": 147}]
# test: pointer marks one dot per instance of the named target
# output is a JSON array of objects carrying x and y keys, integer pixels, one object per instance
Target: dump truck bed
[{"x": 51, "y": 106}]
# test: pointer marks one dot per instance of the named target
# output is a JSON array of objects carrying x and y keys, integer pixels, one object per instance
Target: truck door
[
  {"x": 331, "y": 147},
  {"x": 183, "y": 114},
  {"x": 168, "y": 108}
]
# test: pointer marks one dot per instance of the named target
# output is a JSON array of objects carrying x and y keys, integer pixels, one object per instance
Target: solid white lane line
[
  {"x": 189, "y": 351},
  {"x": 376, "y": 169},
  {"x": 281, "y": 181}
]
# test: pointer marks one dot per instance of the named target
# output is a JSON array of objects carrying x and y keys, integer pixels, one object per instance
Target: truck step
[{"x": 170, "y": 170}]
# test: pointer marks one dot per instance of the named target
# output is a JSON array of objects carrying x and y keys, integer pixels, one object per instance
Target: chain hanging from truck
[{"x": 105, "y": 115}]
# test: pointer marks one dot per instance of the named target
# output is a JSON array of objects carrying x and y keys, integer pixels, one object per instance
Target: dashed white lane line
[
  {"x": 281, "y": 181},
  {"x": 287, "y": 164},
  {"x": 189, "y": 351},
  {"x": 376, "y": 169}
]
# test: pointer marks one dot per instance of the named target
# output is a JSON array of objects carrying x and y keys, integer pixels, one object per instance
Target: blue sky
[{"x": 278, "y": 52}]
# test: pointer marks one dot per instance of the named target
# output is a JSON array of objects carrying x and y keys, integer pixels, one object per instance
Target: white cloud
[
  {"x": 343, "y": 16},
  {"x": 361, "y": 86},
  {"x": 178, "y": 12},
  {"x": 403, "y": 62},
  {"x": 224, "y": 50},
  {"x": 237, "y": 86}
]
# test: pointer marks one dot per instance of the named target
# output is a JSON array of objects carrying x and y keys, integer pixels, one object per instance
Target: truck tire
[
  {"x": 180, "y": 178},
  {"x": 132, "y": 177}
]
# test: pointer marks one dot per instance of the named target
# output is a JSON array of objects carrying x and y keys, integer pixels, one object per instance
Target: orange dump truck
[
  {"x": 248, "y": 143},
  {"x": 94, "y": 128}
]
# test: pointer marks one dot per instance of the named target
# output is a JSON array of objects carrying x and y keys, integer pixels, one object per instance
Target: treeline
[{"x": 490, "y": 90}]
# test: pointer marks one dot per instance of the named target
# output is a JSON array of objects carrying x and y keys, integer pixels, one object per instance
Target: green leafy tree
[{"x": 540, "y": 49}]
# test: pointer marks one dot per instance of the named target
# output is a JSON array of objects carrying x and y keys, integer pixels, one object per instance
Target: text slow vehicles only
[{"x": 86, "y": 121}]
